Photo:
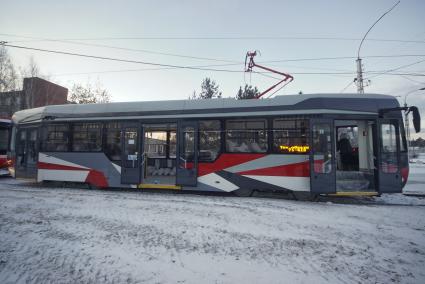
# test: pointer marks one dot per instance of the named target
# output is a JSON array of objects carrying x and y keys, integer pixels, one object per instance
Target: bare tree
[
  {"x": 89, "y": 94},
  {"x": 9, "y": 79}
]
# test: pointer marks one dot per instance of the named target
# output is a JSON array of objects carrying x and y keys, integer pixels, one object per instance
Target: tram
[
  {"x": 5, "y": 126},
  {"x": 317, "y": 143}
]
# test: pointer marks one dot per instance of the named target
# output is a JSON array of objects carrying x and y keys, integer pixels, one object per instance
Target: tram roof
[{"x": 224, "y": 107}]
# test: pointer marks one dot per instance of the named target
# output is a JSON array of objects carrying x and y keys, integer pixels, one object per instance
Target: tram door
[
  {"x": 26, "y": 153},
  {"x": 389, "y": 156},
  {"x": 187, "y": 153},
  {"x": 322, "y": 158},
  {"x": 130, "y": 169}
]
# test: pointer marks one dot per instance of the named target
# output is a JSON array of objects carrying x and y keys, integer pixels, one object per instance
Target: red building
[{"x": 36, "y": 92}]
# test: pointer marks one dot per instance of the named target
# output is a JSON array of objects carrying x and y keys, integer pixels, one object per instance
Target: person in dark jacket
[{"x": 345, "y": 152}]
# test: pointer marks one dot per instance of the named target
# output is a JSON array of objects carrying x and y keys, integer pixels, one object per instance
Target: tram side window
[
  {"x": 113, "y": 147},
  {"x": 402, "y": 137},
  {"x": 290, "y": 136},
  {"x": 87, "y": 137},
  {"x": 56, "y": 138},
  {"x": 246, "y": 136},
  {"x": 32, "y": 146},
  {"x": 4, "y": 140},
  {"x": 209, "y": 140},
  {"x": 389, "y": 160}
]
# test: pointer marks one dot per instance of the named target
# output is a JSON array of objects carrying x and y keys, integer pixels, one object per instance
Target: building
[{"x": 36, "y": 92}]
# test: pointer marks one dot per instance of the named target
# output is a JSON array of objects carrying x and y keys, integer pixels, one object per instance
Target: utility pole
[{"x": 359, "y": 78}]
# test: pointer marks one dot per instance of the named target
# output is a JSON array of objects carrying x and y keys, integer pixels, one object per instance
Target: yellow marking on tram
[
  {"x": 159, "y": 186},
  {"x": 295, "y": 148}
]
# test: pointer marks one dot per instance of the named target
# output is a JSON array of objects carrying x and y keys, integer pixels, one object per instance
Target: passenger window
[
  {"x": 21, "y": 148},
  {"x": 173, "y": 144},
  {"x": 56, "y": 138},
  {"x": 246, "y": 136},
  {"x": 389, "y": 144},
  {"x": 209, "y": 140},
  {"x": 156, "y": 144},
  {"x": 87, "y": 137},
  {"x": 4, "y": 140},
  {"x": 322, "y": 148},
  {"x": 389, "y": 158},
  {"x": 290, "y": 136},
  {"x": 32, "y": 147},
  {"x": 113, "y": 141},
  {"x": 402, "y": 138},
  {"x": 130, "y": 148}
]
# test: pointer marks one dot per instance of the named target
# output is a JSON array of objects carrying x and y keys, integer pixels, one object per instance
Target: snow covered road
[{"x": 56, "y": 235}]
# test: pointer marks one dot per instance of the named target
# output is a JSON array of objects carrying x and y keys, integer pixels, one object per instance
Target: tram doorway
[
  {"x": 355, "y": 155},
  {"x": 159, "y": 154}
]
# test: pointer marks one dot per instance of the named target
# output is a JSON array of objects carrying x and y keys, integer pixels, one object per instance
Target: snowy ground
[
  {"x": 57, "y": 235},
  {"x": 416, "y": 180}
]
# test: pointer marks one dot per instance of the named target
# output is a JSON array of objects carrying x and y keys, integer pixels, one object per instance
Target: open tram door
[
  {"x": 26, "y": 155},
  {"x": 389, "y": 164},
  {"x": 393, "y": 160},
  {"x": 322, "y": 158},
  {"x": 187, "y": 153}
]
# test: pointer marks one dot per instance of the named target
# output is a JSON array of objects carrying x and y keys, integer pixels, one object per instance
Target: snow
[
  {"x": 64, "y": 235},
  {"x": 416, "y": 180}
]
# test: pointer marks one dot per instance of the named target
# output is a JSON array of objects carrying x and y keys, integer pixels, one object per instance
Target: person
[{"x": 345, "y": 152}]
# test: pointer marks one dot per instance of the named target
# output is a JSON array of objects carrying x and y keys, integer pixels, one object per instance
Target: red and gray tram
[
  {"x": 5, "y": 127},
  {"x": 320, "y": 143}
]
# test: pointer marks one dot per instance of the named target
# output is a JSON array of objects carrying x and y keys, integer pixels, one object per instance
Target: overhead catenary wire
[
  {"x": 220, "y": 38},
  {"x": 131, "y": 49},
  {"x": 395, "y": 69},
  {"x": 119, "y": 59},
  {"x": 209, "y": 58},
  {"x": 202, "y": 67}
]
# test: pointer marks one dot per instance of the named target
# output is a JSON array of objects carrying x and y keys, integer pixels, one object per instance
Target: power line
[
  {"x": 343, "y": 57},
  {"x": 225, "y": 38},
  {"x": 120, "y": 60},
  {"x": 346, "y": 87},
  {"x": 202, "y": 68},
  {"x": 131, "y": 49},
  {"x": 395, "y": 69}
]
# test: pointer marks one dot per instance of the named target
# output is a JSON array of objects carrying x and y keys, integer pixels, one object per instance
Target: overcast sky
[{"x": 346, "y": 21}]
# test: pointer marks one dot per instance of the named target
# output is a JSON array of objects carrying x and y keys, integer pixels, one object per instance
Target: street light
[
  {"x": 359, "y": 78},
  {"x": 406, "y": 116}
]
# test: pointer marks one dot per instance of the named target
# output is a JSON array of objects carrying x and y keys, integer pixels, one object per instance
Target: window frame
[
  {"x": 222, "y": 134},
  {"x": 266, "y": 130},
  {"x": 101, "y": 125},
  {"x": 274, "y": 150},
  {"x": 45, "y": 134}
]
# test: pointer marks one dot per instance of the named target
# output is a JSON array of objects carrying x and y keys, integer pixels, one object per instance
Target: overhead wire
[
  {"x": 132, "y": 49},
  {"x": 223, "y": 38}
]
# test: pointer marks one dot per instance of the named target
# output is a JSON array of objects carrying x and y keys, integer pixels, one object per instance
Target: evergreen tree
[
  {"x": 209, "y": 90},
  {"x": 248, "y": 92}
]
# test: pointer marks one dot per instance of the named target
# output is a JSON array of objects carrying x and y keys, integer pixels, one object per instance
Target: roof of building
[{"x": 287, "y": 104}]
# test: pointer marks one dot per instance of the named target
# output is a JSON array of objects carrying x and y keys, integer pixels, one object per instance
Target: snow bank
[{"x": 72, "y": 235}]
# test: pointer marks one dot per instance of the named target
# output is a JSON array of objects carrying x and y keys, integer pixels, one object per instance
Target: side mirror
[{"x": 416, "y": 118}]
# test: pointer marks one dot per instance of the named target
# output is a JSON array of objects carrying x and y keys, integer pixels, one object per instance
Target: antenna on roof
[{"x": 251, "y": 64}]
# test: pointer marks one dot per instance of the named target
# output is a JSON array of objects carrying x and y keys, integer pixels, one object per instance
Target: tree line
[
  {"x": 11, "y": 78},
  {"x": 210, "y": 90}
]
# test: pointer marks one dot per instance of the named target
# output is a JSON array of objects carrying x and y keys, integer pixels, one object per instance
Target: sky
[{"x": 222, "y": 31}]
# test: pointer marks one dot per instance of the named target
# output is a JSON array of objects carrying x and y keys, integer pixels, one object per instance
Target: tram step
[
  {"x": 351, "y": 185},
  {"x": 159, "y": 186},
  {"x": 355, "y": 193}
]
